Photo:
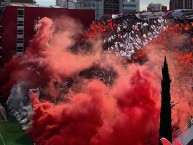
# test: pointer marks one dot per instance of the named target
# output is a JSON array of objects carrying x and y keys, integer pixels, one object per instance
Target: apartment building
[
  {"x": 7, "y": 2},
  {"x": 111, "y": 6},
  {"x": 181, "y": 4},
  {"x": 129, "y": 6},
  {"x": 18, "y": 21},
  {"x": 96, "y": 5},
  {"x": 102, "y": 7},
  {"x": 69, "y": 4},
  {"x": 156, "y": 7}
]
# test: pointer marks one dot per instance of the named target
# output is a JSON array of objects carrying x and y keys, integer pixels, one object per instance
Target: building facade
[
  {"x": 164, "y": 8},
  {"x": 18, "y": 25},
  {"x": 156, "y": 7},
  {"x": 188, "y": 4},
  {"x": 96, "y": 5},
  {"x": 102, "y": 7},
  {"x": 181, "y": 4},
  {"x": 70, "y": 4},
  {"x": 2, "y": 3},
  {"x": 19, "y": 1},
  {"x": 129, "y": 6},
  {"x": 111, "y": 6}
]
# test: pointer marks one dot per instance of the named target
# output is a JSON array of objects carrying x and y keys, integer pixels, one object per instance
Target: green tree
[{"x": 165, "y": 114}]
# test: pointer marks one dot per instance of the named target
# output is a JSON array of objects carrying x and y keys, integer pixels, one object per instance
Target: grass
[{"x": 12, "y": 133}]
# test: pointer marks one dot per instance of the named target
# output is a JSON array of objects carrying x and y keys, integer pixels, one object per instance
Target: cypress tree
[{"x": 165, "y": 114}]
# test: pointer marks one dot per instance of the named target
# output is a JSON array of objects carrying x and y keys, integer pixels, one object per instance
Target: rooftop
[{"x": 31, "y": 5}]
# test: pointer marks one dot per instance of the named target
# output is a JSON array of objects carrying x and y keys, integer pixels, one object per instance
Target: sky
[{"x": 143, "y": 3}]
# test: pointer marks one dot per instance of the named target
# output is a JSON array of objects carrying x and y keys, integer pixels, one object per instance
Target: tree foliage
[{"x": 165, "y": 114}]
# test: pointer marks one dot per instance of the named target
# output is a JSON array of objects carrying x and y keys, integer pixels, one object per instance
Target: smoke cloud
[{"x": 73, "y": 109}]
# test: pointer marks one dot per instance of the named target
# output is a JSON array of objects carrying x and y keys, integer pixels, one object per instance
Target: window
[
  {"x": 128, "y": 10},
  {"x": 1, "y": 64},
  {"x": 20, "y": 13},
  {"x": 20, "y": 32},
  {"x": 89, "y": 5},
  {"x": 129, "y": 5},
  {"x": 0, "y": 50},
  {"x": 19, "y": 49},
  {"x": 129, "y": 0},
  {"x": 19, "y": 40},
  {"x": 36, "y": 21},
  {"x": 19, "y": 23},
  {"x": 2, "y": 3},
  {"x": 0, "y": 31}
]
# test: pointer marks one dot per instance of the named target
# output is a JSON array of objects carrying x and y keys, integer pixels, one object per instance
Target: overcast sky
[{"x": 143, "y": 3}]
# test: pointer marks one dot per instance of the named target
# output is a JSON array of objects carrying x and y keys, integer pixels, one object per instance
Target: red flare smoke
[
  {"x": 93, "y": 113},
  {"x": 99, "y": 116}
]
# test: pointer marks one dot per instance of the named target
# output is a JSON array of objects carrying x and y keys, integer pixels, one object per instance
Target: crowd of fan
[
  {"x": 133, "y": 34},
  {"x": 126, "y": 35}
]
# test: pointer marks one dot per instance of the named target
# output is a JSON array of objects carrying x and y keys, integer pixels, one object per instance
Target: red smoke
[
  {"x": 93, "y": 113},
  {"x": 100, "y": 115},
  {"x": 97, "y": 114},
  {"x": 176, "y": 44}
]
